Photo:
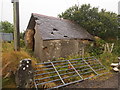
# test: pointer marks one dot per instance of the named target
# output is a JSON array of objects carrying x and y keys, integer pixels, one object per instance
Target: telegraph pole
[{"x": 16, "y": 25}]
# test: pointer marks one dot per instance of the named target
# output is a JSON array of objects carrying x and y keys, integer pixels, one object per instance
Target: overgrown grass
[
  {"x": 10, "y": 63},
  {"x": 107, "y": 59},
  {"x": 97, "y": 50}
]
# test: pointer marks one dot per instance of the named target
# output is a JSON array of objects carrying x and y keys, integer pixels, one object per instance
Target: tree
[
  {"x": 6, "y": 27},
  {"x": 22, "y": 34},
  {"x": 98, "y": 23}
]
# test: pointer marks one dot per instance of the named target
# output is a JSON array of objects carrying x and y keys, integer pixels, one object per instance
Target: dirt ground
[{"x": 101, "y": 82}]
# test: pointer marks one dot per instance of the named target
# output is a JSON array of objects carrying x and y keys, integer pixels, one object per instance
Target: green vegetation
[
  {"x": 10, "y": 63},
  {"x": 116, "y": 49},
  {"x": 107, "y": 58},
  {"x": 98, "y": 50},
  {"x": 6, "y": 27},
  {"x": 102, "y": 23},
  {"x": 97, "y": 47}
]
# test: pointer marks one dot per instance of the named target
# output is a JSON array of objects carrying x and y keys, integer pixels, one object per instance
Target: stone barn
[{"x": 51, "y": 37}]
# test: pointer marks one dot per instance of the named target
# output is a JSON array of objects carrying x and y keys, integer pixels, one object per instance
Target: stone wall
[
  {"x": 38, "y": 45},
  {"x": 69, "y": 47},
  {"x": 52, "y": 49}
]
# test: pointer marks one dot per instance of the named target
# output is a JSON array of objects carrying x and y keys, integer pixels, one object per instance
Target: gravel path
[{"x": 100, "y": 82}]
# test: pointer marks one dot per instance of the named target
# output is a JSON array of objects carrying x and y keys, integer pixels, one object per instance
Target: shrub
[
  {"x": 107, "y": 59},
  {"x": 97, "y": 48},
  {"x": 116, "y": 49},
  {"x": 22, "y": 43}
]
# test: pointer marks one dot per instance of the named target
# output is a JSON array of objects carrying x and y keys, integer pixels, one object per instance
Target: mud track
[{"x": 103, "y": 82}]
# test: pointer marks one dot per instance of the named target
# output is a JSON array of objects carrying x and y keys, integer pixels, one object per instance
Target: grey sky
[{"x": 48, "y": 7}]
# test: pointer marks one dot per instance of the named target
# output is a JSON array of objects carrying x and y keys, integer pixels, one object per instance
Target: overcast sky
[{"x": 48, "y": 7}]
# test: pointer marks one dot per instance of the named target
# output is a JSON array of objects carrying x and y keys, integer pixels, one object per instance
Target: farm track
[{"x": 101, "y": 82}]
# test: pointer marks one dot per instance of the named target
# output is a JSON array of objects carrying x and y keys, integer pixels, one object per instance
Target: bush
[
  {"x": 116, "y": 49},
  {"x": 97, "y": 48},
  {"x": 107, "y": 59},
  {"x": 22, "y": 43}
]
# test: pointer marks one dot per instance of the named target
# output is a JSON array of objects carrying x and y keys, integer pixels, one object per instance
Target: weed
[
  {"x": 10, "y": 62},
  {"x": 107, "y": 59}
]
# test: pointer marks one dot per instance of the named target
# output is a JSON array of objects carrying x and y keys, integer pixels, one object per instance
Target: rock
[
  {"x": 24, "y": 74},
  {"x": 114, "y": 64},
  {"x": 116, "y": 69}
]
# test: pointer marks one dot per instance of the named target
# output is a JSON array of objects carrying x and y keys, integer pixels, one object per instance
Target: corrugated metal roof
[{"x": 56, "y": 28}]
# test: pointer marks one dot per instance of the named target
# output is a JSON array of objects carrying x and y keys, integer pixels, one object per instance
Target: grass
[
  {"x": 10, "y": 63},
  {"x": 8, "y": 82},
  {"x": 107, "y": 59},
  {"x": 11, "y": 58}
]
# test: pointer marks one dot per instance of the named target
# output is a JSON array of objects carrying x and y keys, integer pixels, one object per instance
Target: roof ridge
[
  {"x": 51, "y": 17},
  {"x": 45, "y": 15}
]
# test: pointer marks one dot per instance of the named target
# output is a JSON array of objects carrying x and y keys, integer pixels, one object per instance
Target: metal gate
[{"x": 65, "y": 72}]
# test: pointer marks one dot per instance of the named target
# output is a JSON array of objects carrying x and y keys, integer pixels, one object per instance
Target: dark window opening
[
  {"x": 33, "y": 48},
  {"x": 54, "y": 29},
  {"x": 65, "y": 36},
  {"x": 52, "y": 33}
]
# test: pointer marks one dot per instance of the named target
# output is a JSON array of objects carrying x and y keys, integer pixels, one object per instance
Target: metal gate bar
[
  {"x": 100, "y": 63},
  {"x": 90, "y": 67},
  {"x": 63, "y": 66},
  {"x": 60, "y": 71},
  {"x": 63, "y": 63},
  {"x": 75, "y": 70},
  {"x": 61, "y": 74},
  {"x": 76, "y": 81},
  {"x": 57, "y": 73}
]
